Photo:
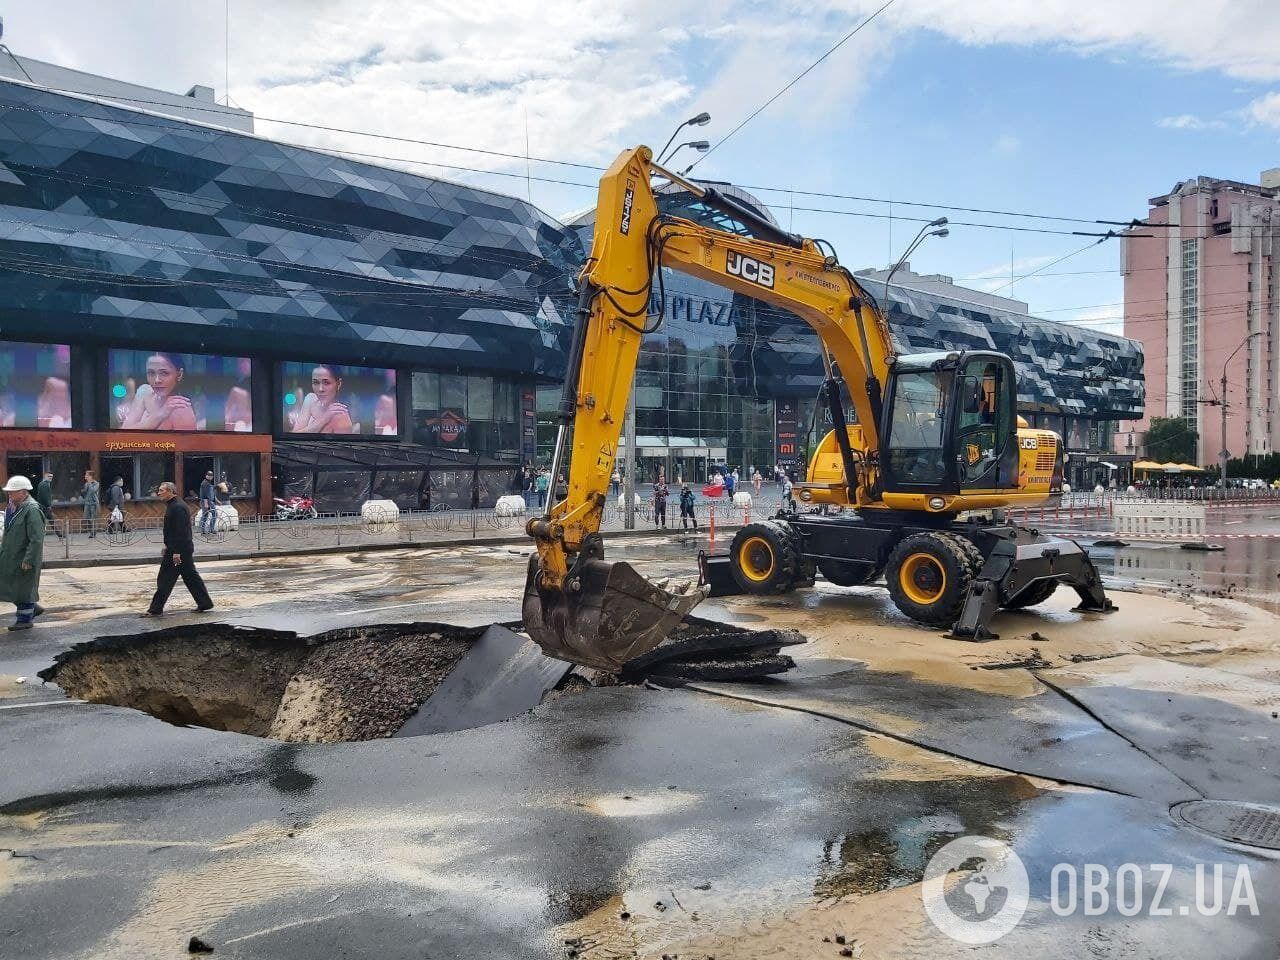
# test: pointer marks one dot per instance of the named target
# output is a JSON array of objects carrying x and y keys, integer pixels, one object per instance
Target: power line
[
  {"x": 794, "y": 80},
  {"x": 185, "y": 125}
]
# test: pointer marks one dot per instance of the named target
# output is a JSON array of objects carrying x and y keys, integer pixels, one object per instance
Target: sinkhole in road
[
  {"x": 357, "y": 683},
  {"x": 370, "y": 682}
]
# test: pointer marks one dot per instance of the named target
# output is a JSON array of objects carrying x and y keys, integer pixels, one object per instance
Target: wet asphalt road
[{"x": 810, "y": 812}]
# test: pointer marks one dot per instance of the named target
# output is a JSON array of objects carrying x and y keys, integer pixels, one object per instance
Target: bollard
[{"x": 711, "y": 525}]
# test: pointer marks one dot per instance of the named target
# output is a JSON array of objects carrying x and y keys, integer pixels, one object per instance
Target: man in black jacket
[
  {"x": 177, "y": 558},
  {"x": 44, "y": 497}
]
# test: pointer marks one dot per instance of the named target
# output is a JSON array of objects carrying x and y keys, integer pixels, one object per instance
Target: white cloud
[
  {"x": 1189, "y": 121},
  {"x": 593, "y": 75},
  {"x": 1240, "y": 38},
  {"x": 1264, "y": 111}
]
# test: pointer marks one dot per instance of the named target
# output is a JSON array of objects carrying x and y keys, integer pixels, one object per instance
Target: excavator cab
[{"x": 950, "y": 424}]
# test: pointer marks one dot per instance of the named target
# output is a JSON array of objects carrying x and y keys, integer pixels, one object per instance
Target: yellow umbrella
[
  {"x": 1148, "y": 465},
  {"x": 1191, "y": 467}
]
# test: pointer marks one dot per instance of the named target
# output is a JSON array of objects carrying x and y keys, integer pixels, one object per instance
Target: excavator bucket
[{"x": 613, "y": 616}]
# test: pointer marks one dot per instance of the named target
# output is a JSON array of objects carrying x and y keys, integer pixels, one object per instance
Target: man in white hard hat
[{"x": 21, "y": 552}]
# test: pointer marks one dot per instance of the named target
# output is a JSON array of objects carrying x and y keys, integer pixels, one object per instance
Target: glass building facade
[{"x": 130, "y": 233}]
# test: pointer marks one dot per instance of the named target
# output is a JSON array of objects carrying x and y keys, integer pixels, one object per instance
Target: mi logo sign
[{"x": 748, "y": 268}]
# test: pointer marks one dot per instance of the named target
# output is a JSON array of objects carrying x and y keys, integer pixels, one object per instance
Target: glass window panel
[
  {"x": 153, "y": 469},
  {"x": 426, "y": 391},
  {"x": 68, "y": 474},
  {"x": 453, "y": 391},
  {"x": 112, "y": 467},
  {"x": 504, "y": 401},
  {"x": 480, "y": 398},
  {"x": 26, "y": 465},
  {"x": 238, "y": 470}
]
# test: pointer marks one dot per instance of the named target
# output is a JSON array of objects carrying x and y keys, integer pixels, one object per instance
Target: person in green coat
[{"x": 21, "y": 552}]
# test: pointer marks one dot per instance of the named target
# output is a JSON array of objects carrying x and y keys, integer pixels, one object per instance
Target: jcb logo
[
  {"x": 1030, "y": 443},
  {"x": 628, "y": 200},
  {"x": 749, "y": 268}
]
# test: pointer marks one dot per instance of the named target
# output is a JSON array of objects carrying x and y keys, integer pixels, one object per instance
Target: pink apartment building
[{"x": 1193, "y": 294}]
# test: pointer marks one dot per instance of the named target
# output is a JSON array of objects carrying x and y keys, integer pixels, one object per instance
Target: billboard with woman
[
  {"x": 160, "y": 390},
  {"x": 331, "y": 398},
  {"x": 35, "y": 385}
]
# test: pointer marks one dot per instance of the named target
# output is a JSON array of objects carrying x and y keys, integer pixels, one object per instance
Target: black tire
[
  {"x": 1038, "y": 592},
  {"x": 971, "y": 552},
  {"x": 765, "y": 557},
  {"x": 845, "y": 574},
  {"x": 929, "y": 575}
]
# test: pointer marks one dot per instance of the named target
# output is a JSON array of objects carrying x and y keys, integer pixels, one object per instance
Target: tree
[{"x": 1171, "y": 440}]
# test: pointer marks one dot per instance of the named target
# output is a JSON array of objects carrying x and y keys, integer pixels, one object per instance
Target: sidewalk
[{"x": 143, "y": 541}]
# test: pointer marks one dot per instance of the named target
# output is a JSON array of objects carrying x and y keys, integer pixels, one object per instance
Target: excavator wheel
[
  {"x": 765, "y": 558},
  {"x": 929, "y": 576},
  {"x": 1030, "y": 596},
  {"x": 971, "y": 551},
  {"x": 845, "y": 574}
]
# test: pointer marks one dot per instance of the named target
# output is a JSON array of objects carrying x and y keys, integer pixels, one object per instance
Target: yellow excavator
[{"x": 935, "y": 437}]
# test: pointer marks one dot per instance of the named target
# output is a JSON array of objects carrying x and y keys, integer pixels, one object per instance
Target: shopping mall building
[{"x": 178, "y": 294}]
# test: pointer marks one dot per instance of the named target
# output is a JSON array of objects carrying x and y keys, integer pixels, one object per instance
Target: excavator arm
[{"x": 578, "y": 607}]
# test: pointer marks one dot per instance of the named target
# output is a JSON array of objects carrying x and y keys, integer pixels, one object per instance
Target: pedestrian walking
[
  {"x": 115, "y": 506},
  {"x": 541, "y": 484},
  {"x": 660, "y": 494},
  {"x": 21, "y": 552},
  {"x": 177, "y": 559},
  {"x": 616, "y": 480},
  {"x": 686, "y": 509},
  {"x": 730, "y": 483},
  {"x": 756, "y": 481},
  {"x": 208, "y": 516},
  {"x": 44, "y": 498},
  {"x": 786, "y": 493},
  {"x": 90, "y": 492}
]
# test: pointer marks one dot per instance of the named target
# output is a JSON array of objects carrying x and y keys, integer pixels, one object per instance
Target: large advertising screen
[
  {"x": 159, "y": 390},
  {"x": 330, "y": 398},
  {"x": 35, "y": 385}
]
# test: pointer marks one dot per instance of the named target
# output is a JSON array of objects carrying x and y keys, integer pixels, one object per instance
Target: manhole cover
[{"x": 1249, "y": 823}]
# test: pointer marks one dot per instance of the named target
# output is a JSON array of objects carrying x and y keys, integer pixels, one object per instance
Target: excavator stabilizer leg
[
  {"x": 1020, "y": 558},
  {"x": 608, "y": 614}
]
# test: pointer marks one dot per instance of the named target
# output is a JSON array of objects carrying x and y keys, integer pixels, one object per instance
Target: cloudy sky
[{"x": 1069, "y": 108}]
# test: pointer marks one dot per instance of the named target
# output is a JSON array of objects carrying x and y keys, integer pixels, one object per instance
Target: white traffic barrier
[
  {"x": 1158, "y": 518},
  {"x": 227, "y": 519},
  {"x": 510, "y": 505},
  {"x": 382, "y": 513},
  {"x": 742, "y": 500}
]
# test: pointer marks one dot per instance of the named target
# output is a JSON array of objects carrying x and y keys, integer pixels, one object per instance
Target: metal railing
[{"x": 143, "y": 537}]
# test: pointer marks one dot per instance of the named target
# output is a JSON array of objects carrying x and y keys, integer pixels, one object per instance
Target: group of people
[
  {"x": 661, "y": 492},
  {"x": 534, "y": 484},
  {"x": 26, "y": 516}
]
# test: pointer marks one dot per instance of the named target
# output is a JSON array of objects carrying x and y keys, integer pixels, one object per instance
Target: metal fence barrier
[{"x": 144, "y": 537}]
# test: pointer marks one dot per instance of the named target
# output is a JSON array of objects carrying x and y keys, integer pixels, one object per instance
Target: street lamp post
[
  {"x": 1222, "y": 454},
  {"x": 702, "y": 146},
  {"x": 701, "y": 120},
  {"x": 928, "y": 230}
]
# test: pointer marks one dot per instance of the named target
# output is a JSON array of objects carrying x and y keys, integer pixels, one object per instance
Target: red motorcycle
[{"x": 295, "y": 508}]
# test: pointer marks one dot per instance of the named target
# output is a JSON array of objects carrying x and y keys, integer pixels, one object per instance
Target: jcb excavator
[{"x": 936, "y": 435}]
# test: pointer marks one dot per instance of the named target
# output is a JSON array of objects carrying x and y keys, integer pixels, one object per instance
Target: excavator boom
[{"x": 577, "y": 606}]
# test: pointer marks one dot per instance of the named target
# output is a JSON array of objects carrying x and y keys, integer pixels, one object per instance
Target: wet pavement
[{"x": 736, "y": 820}]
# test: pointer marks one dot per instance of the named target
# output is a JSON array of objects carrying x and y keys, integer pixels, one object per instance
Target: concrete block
[
  {"x": 227, "y": 519},
  {"x": 382, "y": 512},
  {"x": 511, "y": 505}
]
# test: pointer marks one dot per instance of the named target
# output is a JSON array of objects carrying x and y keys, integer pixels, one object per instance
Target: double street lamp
[
  {"x": 701, "y": 120},
  {"x": 934, "y": 228}
]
